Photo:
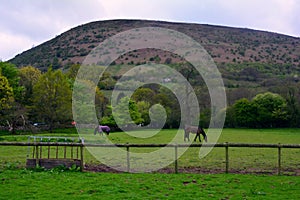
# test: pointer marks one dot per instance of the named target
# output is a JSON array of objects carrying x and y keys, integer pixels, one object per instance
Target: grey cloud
[
  {"x": 41, "y": 20},
  {"x": 46, "y": 17}
]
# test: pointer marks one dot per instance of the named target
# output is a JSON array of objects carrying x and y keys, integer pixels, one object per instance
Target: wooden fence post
[
  {"x": 81, "y": 157},
  {"x": 71, "y": 152},
  {"x": 128, "y": 158},
  {"x": 176, "y": 159},
  {"x": 49, "y": 152},
  {"x": 226, "y": 158},
  {"x": 56, "y": 153},
  {"x": 37, "y": 156},
  {"x": 41, "y": 151},
  {"x": 77, "y": 153},
  {"x": 65, "y": 152},
  {"x": 33, "y": 152},
  {"x": 279, "y": 159}
]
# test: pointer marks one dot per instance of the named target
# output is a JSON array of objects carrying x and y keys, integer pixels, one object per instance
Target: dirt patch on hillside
[{"x": 198, "y": 170}]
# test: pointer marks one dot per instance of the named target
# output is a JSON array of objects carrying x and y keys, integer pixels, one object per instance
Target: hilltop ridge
[{"x": 224, "y": 44}]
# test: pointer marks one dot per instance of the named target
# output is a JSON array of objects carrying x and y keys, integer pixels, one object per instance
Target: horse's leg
[
  {"x": 100, "y": 131},
  {"x": 199, "y": 135},
  {"x": 95, "y": 131},
  {"x": 186, "y": 135},
  {"x": 203, "y": 134},
  {"x": 196, "y": 137}
]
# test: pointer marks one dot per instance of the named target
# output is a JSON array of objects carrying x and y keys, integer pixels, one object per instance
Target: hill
[
  {"x": 225, "y": 44},
  {"x": 250, "y": 61}
]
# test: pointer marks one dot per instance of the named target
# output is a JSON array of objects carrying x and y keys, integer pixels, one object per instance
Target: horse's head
[{"x": 205, "y": 137}]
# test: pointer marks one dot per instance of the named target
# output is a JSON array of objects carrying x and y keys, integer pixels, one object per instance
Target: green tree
[
  {"x": 264, "y": 110},
  {"x": 106, "y": 81},
  {"x": 6, "y": 96},
  {"x": 204, "y": 117},
  {"x": 86, "y": 100},
  {"x": 168, "y": 100},
  {"x": 122, "y": 117},
  {"x": 108, "y": 119},
  {"x": 194, "y": 79},
  {"x": 101, "y": 103},
  {"x": 157, "y": 114},
  {"x": 11, "y": 73},
  {"x": 10, "y": 111},
  {"x": 83, "y": 102},
  {"x": 28, "y": 78},
  {"x": 16, "y": 114},
  {"x": 52, "y": 98},
  {"x": 293, "y": 108},
  {"x": 143, "y": 94},
  {"x": 143, "y": 108},
  {"x": 245, "y": 113},
  {"x": 72, "y": 73},
  {"x": 271, "y": 109}
]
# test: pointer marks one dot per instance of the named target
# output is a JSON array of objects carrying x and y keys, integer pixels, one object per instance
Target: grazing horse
[
  {"x": 196, "y": 130},
  {"x": 100, "y": 129}
]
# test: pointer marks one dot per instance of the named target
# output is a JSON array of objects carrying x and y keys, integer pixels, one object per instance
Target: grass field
[
  {"x": 19, "y": 183},
  {"x": 241, "y": 159},
  {"x": 54, "y": 184}
]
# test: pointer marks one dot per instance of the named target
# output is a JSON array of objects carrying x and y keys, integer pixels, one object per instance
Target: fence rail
[
  {"x": 175, "y": 146},
  {"x": 296, "y": 146}
]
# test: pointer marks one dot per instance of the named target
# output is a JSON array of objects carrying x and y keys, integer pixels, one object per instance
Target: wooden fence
[{"x": 39, "y": 145}]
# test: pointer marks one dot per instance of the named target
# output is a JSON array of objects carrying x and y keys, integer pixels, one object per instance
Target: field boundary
[{"x": 225, "y": 145}]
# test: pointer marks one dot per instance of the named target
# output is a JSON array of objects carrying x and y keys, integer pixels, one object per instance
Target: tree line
[{"x": 28, "y": 95}]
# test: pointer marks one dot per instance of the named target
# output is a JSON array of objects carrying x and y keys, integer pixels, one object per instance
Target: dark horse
[
  {"x": 100, "y": 129},
  {"x": 196, "y": 130}
]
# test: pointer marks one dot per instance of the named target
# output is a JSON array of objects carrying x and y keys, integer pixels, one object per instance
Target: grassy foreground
[
  {"x": 242, "y": 159},
  {"x": 54, "y": 184}
]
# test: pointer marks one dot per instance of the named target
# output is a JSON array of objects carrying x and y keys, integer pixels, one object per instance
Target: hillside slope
[
  {"x": 224, "y": 44},
  {"x": 250, "y": 61}
]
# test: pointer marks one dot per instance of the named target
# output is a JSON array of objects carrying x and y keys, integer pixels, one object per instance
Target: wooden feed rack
[{"x": 51, "y": 152}]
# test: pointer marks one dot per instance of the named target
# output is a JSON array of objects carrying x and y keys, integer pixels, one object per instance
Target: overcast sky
[{"x": 28, "y": 23}]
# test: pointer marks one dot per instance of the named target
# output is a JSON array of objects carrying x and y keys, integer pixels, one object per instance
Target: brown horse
[{"x": 196, "y": 130}]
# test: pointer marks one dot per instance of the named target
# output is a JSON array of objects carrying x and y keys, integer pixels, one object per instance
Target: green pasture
[
  {"x": 56, "y": 184},
  {"x": 59, "y": 183},
  {"x": 242, "y": 159}
]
